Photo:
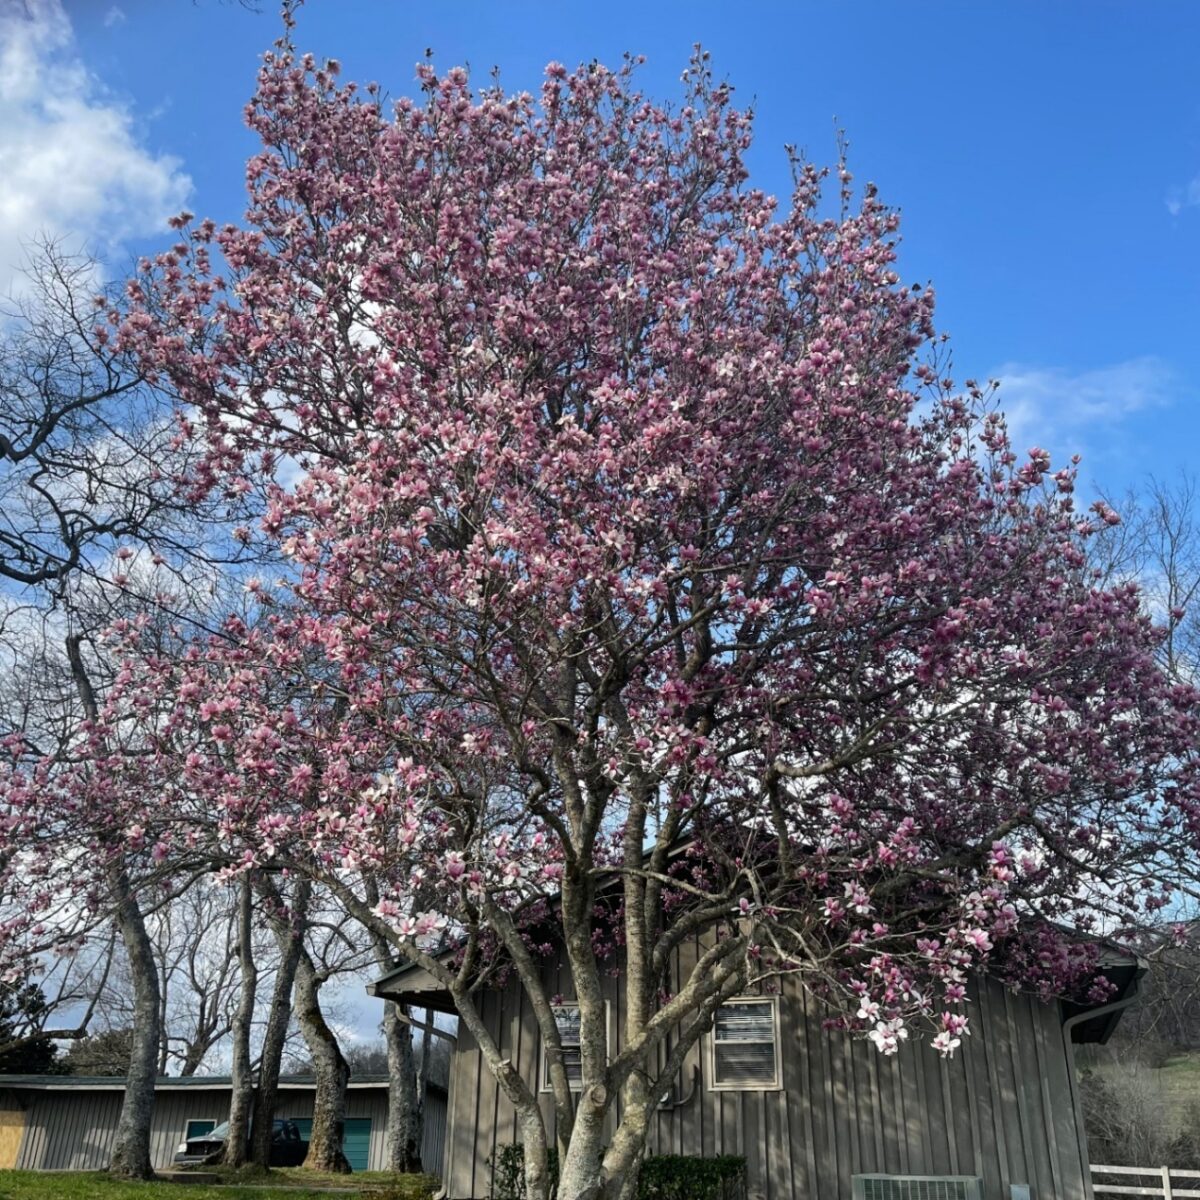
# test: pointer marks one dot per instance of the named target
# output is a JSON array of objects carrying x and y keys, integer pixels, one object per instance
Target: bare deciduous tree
[
  {"x": 92, "y": 527},
  {"x": 1157, "y": 545}
]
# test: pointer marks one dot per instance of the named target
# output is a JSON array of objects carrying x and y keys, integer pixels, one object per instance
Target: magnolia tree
[{"x": 649, "y": 584}]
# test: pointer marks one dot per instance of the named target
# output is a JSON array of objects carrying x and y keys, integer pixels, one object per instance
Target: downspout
[
  {"x": 1114, "y": 1006},
  {"x": 1105, "y": 1009},
  {"x": 679, "y": 1101}
]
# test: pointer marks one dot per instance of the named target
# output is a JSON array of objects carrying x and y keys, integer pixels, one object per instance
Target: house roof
[
  {"x": 407, "y": 982},
  {"x": 384, "y": 985},
  {"x": 1123, "y": 970},
  {"x": 166, "y": 1083}
]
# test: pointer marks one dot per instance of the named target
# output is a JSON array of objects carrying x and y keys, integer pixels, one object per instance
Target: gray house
[
  {"x": 67, "y": 1122},
  {"x": 816, "y": 1114}
]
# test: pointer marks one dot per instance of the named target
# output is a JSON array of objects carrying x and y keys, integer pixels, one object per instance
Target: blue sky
[{"x": 1045, "y": 156}]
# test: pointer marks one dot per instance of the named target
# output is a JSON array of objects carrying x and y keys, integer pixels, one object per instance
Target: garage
[
  {"x": 12, "y": 1129},
  {"x": 68, "y": 1122},
  {"x": 356, "y": 1140}
]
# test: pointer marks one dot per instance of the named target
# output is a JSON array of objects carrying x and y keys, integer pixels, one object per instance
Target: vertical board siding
[
  {"x": 433, "y": 1136},
  {"x": 1003, "y": 1108},
  {"x": 466, "y": 1068},
  {"x": 172, "y": 1112},
  {"x": 69, "y": 1130},
  {"x": 12, "y": 1128}
]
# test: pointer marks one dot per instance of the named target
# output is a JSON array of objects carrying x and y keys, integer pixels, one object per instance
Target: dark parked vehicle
[{"x": 288, "y": 1148}]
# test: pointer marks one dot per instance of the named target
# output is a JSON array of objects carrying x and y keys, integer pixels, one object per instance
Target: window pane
[
  {"x": 566, "y": 1017},
  {"x": 573, "y": 1063},
  {"x": 747, "y": 1063},
  {"x": 745, "y": 1021}
]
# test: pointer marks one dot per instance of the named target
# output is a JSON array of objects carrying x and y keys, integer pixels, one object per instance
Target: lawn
[
  {"x": 381, "y": 1185},
  {"x": 276, "y": 1185},
  {"x": 1179, "y": 1079}
]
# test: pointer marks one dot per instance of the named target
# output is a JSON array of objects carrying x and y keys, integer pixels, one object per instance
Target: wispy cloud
[
  {"x": 1069, "y": 412},
  {"x": 1179, "y": 198},
  {"x": 114, "y": 16},
  {"x": 72, "y": 163}
]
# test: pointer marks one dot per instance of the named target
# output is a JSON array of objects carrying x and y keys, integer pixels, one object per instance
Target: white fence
[{"x": 1146, "y": 1181}]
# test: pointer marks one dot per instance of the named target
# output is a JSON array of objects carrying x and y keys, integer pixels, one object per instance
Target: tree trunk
[
  {"x": 277, "y": 1022},
  {"x": 533, "y": 1143},
  {"x": 713, "y": 983},
  {"x": 623, "y": 1159},
  {"x": 130, "y": 1158},
  {"x": 404, "y": 1110},
  {"x": 192, "y": 1058},
  {"x": 579, "y": 1176},
  {"x": 331, "y": 1069},
  {"x": 423, "y": 1068},
  {"x": 241, "y": 1074},
  {"x": 406, "y": 1088},
  {"x": 164, "y": 1034}
]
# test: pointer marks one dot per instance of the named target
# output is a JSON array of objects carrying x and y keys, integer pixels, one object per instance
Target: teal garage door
[
  {"x": 356, "y": 1144},
  {"x": 356, "y": 1141}
]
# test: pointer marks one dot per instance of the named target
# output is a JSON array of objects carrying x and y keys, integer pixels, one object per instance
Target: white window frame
[
  {"x": 197, "y": 1120},
  {"x": 776, "y": 1085},
  {"x": 576, "y": 1085}
]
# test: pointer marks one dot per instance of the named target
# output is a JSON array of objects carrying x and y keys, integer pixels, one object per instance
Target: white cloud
[
  {"x": 1081, "y": 412},
  {"x": 72, "y": 165},
  {"x": 1179, "y": 198},
  {"x": 114, "y": 16}
]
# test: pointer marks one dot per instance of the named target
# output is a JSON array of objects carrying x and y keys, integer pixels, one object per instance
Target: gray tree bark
[
  {"x": 242, "y": 1078},
  {"x": 277, "y": 1022},
  {"x": 331, "y": 1070},
  {"x": 164, "y": 1042},
  {"x": 130, "y": 1158},
  {"x": 405, "y": 1116},
  {"x": 406, "y": 1090}
]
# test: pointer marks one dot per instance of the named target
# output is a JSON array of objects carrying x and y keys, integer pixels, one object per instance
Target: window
[
  {"x": 198, "y": 1129},
  {"x": 566, "y": 1016},
  {"x": 745, "y": 1045}
]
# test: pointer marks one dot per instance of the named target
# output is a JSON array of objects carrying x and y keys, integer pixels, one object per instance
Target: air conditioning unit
[{"x": 917, "y": 1187}]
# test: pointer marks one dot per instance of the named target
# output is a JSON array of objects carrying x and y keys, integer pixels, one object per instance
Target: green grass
[
  {"x": 1179, "y": 1079},
  {"x": 275, "y": 1185},
  {"x": 370, "y": 1183},
  {"x": 84, "y": 1185}
]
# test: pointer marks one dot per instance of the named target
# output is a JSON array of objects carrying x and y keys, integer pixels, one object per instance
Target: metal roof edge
[{"x": 167, "y": 1083}]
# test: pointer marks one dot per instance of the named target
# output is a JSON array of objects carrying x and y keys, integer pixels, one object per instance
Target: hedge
[
  {"x": 681, "y": 1177},
  {"x": 662, "y": 1177}
]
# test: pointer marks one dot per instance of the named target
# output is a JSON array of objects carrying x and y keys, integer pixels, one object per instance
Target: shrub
[
  {"x": 662, "y": 1177},
  {"x": 681, "y": 1177},
  {"x": 1127, "y": 1119},
  {"x": 404, "y": 1187},
  {"x": 507, "y": 1166}
]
